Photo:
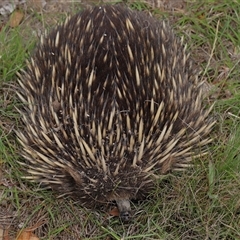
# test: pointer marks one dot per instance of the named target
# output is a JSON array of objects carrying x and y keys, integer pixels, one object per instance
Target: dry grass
[{"x": 202, "y": 203}]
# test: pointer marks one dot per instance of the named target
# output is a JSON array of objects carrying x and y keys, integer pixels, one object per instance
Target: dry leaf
[
  {"x": 114, "y": 212},
  {"x": 4, "y": 234},
  {"x": 16, "y": 18},
  {"x": 27, "y": 235}
]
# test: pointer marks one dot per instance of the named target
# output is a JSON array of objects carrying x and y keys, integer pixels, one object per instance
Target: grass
[{"x": 201, "y": 203}]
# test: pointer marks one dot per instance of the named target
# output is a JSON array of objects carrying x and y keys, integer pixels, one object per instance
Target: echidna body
[{"x": 111, "y": 102}]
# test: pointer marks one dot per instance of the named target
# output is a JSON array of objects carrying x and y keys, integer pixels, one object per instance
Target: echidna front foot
[{"x": 124, "y": 209}]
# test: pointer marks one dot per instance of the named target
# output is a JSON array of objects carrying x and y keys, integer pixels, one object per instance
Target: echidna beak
[
  {"x": 124, "y": 209},
  {"x": 125, "y": 216}
]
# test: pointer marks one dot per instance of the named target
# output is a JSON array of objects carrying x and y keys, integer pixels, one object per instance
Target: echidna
[{"x": 111, "y": 102}]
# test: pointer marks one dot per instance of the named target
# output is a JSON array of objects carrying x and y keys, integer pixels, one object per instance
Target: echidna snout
[
  {"x": 124, "y": 209},
  {"x": 111, "y": 101}
]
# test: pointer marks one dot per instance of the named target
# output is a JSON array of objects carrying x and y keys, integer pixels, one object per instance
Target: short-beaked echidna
[{"x": 111, "y": 102}]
